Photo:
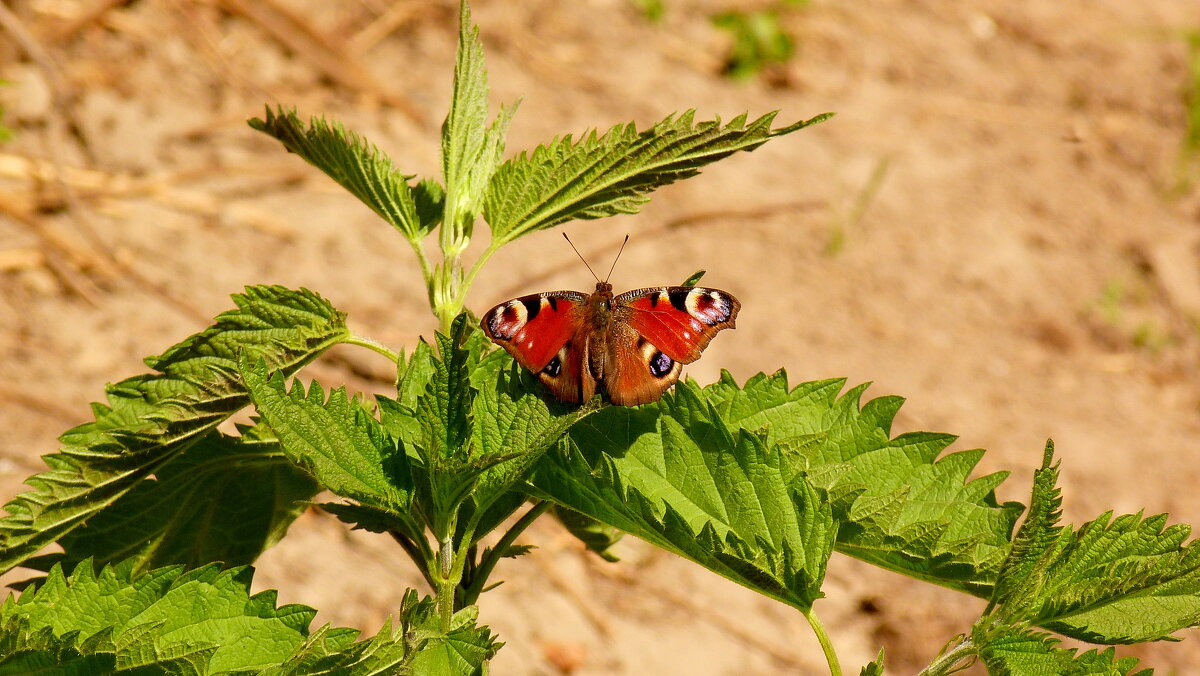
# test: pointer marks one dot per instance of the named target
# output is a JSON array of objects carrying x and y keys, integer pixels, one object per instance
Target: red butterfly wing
[
  {"x": 678, "y": 320},
  {"x": 636, "y": 372},
  {"x": 535, "y": 328},
  {"x": 546, "y": 333}
]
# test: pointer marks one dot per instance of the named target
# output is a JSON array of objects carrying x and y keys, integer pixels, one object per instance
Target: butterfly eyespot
[
  {"x": 710, "y": 306},
  {"x": 554, "y": 367},
  {"x": 660, "y": 364},
  {"x": 506, "y": 320}
]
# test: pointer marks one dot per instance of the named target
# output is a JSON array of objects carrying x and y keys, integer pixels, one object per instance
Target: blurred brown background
[{"x": 1001, "y": 225}]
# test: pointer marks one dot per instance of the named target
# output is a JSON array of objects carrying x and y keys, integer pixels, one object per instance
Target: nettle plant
[{"x": 157, "y": 514}]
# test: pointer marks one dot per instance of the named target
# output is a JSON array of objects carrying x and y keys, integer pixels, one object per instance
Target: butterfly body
[{"x": 632, "y": 346}]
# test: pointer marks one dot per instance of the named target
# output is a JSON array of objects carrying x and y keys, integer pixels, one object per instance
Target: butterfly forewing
[
  {"x": 632, "y": 346},
  {"x": 679, "y": 320},
  {"x": 535, "y": 328}
]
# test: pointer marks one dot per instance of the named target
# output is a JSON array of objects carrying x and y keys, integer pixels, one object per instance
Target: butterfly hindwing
[
  {"x": 632, "y": 346},
  {"x": 638, "y": 372},
  {"x": 566, "y": 374},
  {"x": 678, "y": 320}
]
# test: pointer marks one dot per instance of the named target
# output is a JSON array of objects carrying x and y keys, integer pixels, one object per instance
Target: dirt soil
[{"x": 1019, "y": 257}]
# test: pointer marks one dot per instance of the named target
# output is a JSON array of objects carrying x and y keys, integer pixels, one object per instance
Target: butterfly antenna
[
  {"x": 585, "y": 263},
  {"x": 614, "y": 265}
]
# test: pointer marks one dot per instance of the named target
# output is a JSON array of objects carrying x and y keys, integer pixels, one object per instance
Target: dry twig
[
  {"x": 397, "y": 15},
  {"x": 103, "y": 264},
  {"x": 87, "y": 16},
  {"x": 322, "y": 51},
  {"x": 96, "y": 184}
]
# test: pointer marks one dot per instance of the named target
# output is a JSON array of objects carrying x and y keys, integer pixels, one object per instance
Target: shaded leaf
[
  {"x": 223, "y": 499},
  {"x": 335, "y": 439},
  {"x": 597, "y": 536},
  {"x": 149, "y": 419}
]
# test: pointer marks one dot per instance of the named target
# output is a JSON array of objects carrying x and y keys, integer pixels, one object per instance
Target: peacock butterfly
[{"x": 632, "y": 346}]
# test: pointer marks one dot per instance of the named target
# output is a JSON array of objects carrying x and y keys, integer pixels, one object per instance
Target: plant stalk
[
  {"x": 831, "y": 658},
  {"x": 374, "y": 346},
  {"x": 492, "y": 556},
  {"x": 445, "y": 582},
  {"x": 945, "y": 663}
]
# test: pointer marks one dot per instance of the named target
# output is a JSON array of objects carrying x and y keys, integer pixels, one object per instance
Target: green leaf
[
  {"x": 335, "y": 439},
  {"x": 1030, "y": 653},
  {"x": 516, "y": 423},
  {"x": 203, "y": 609},
  {"x": 462, "y": 650},
  {"x": 875, "y": 667},
  {"x": 614, "y": 173},
  {"x": 205, "y": 621},
  {"x": 331, "y": 651},
  {"x": 676, "y": 475},
  {"x": 414, "y": 378},
  {"x": 470, "y": 148},
  {"x": 1024, "y": 570},
  {"x": 476, "y": 430},
  {"x": 694, "y": 279},
  {"x": 1123, "y": 580},
  {"x": 895, "y": 506},
  {"x": 357, "y": 166},
  {"x": 597, "y": 536},
  {"x": 451, "y": 466},
  {"x": 152, "y": 418},
  {"x": 284, "y": 327},
  {"x": 900, "y": 506},
  {"x": 224, "y": 499}
]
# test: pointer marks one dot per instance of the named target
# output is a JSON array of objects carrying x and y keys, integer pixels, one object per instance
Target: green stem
[
  {"x": 945, "y": 662},
  {"x": 492, "y": 248},
  {"x": 457, "y": 295},
  {"x": 446, "y": 582},
  {"x": 372, "y": 345},
  {"x": 426, "y": 270},
  {"x": 831, "y": 658},
  {"x": 492, "y": 556}
]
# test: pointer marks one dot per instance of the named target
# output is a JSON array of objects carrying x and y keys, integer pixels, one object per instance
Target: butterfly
[{"x": 632, "y": 346}]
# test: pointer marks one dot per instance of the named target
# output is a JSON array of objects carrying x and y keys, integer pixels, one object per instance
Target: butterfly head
[{"x": 601, "y": 303}]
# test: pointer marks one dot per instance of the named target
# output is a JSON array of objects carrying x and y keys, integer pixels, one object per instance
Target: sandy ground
[{"x": 1020, "y": 257}]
